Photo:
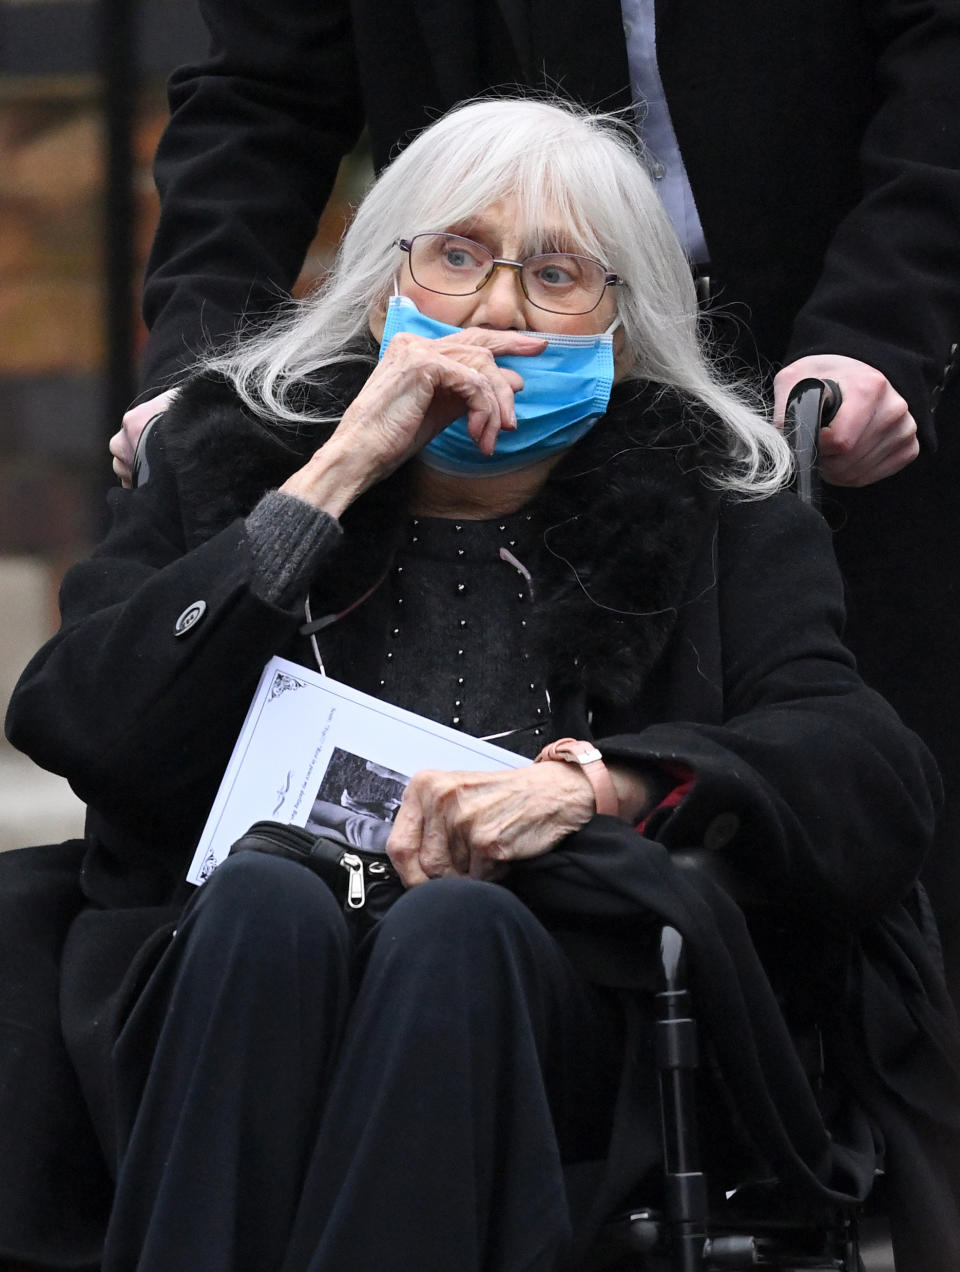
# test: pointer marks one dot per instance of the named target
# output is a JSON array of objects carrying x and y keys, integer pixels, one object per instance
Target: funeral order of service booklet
[{"x": 312, "y": 749}]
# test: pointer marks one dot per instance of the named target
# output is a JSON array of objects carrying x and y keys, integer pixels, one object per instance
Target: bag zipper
[{"x": 360, "y": 872}]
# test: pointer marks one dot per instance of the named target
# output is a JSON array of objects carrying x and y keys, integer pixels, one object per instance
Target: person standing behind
[{"x": 809, "y": 154}]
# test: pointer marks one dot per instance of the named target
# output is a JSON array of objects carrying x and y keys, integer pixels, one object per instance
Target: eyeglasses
[{"x": 559, "y": 282}]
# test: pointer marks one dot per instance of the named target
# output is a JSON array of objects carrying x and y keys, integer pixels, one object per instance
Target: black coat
[
  {"x": 679, "y": 627},
  {"x": 676, "y": 605}
]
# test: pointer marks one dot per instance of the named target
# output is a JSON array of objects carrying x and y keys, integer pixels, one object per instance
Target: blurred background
[{"x": 82, "y": 105}]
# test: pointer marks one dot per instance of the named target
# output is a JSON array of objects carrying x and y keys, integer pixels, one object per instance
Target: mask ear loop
[
  {"x": 578, "y": 342},
  {"x": 388, "y": 315}
]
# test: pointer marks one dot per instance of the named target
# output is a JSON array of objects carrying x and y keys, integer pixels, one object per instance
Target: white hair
[{"x": 563, "y": 166}]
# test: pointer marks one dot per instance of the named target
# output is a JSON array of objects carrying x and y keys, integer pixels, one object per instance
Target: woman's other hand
[
  {"x": 476, "y": 823},
  {"x": 417, "y": 389}
]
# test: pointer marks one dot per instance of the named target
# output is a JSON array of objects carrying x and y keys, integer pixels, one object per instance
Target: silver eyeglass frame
[{"x": 496, "y": 262}]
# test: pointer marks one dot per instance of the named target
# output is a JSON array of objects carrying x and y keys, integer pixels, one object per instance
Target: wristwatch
[{"x": 591, "y": 761}]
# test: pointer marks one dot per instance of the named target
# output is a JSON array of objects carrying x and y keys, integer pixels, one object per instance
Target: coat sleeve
[
  {"x": 810, "y": 784},
  {"x": 140, "y": 719},
  {"x": 245, "y": 167},
  {"x": 889, "y": 292}
]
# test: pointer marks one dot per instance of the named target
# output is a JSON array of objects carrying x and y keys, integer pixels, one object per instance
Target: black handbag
[{"x": 365, "y": 883}]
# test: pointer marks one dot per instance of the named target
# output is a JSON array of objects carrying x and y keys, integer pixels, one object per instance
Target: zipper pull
[{"x": 356, "y": 893}]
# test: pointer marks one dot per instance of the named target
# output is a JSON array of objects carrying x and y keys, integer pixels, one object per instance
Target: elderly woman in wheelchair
[{"x": 487, "y": 473}]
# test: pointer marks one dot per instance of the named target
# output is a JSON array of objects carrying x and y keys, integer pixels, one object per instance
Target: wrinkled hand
[
  {"x": 873, "y": 434},
  {"x": 421, "y": 385},
  {"x": 475, "y": 823},
  {"x": 417, "y": 389},
  {"x": 123, "y": 444}
]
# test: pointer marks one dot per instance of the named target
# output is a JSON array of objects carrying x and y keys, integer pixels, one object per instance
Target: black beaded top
[{"x": 445, "y": 633}]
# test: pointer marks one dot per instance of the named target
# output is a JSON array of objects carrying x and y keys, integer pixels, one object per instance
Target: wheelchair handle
[{"x": 811, "y": 406}]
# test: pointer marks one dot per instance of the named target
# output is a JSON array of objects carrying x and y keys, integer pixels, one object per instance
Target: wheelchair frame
[{"x": 686, "y": 1236}]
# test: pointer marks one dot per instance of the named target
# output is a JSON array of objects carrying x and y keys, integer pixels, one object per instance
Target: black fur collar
[{"x": 624, "y": 516}]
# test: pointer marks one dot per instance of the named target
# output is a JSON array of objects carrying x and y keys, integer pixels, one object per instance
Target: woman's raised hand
[
  {"x": 417, "y": 389},
  {"x": 475, "y": 823}
]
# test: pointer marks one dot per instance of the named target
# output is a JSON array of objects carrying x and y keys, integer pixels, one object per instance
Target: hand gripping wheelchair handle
[{"x": 811, "y": 406}]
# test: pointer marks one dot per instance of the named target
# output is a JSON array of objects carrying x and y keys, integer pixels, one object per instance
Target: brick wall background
[{"x": 54, "y": 425}]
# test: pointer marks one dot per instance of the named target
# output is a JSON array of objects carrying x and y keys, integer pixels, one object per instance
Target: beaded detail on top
[{"x": 451, "y": 624}]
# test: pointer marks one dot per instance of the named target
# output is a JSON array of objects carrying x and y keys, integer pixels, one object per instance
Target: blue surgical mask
[{"x": 566, "y": 388}]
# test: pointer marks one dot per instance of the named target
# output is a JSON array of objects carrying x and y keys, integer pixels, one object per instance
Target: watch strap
[{"x": 590, "y": 760}]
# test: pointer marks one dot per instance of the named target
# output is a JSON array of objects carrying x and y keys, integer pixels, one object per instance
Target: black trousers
[{"x": 283, "y": 1104}]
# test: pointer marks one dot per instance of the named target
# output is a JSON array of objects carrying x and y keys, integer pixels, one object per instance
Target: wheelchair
[{"x": 757, "y": 1224}]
